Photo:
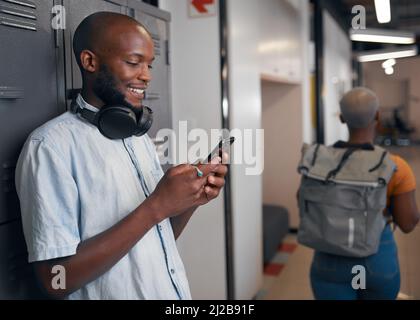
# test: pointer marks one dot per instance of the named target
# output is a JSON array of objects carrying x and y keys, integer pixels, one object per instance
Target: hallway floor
[{"x": 292, "y": 283}]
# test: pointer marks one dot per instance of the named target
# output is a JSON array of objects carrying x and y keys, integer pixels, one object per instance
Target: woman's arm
[{"x": 404, "y": 210}]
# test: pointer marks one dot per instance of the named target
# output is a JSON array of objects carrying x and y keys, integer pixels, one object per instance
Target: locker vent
[
  {"x": 18, "y": 14},
  {"x": 156, "y": 40}
]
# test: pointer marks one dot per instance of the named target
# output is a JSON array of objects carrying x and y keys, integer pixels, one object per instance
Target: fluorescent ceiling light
[
  {"x": 383, "y": 11},
  {"x": 389, "y": 63},
  {"x": 376, "y": 55},
  {"x": 382, "y": 36}
]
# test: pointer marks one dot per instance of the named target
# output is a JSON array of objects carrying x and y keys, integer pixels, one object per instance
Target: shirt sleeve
[
  {"x": 49, "y": 202},
  {"x": 403, "y": 180}
]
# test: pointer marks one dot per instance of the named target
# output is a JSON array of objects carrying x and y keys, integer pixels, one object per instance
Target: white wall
[
  {"x": 391, "y": 91},
  {"x": 285, "y": 50},
  {"x": 282, "y": 122},
  {"x": 196, "y": 96},
  {"x": 337, "y": 77},
  {"x": 279, "y": 45},
  {"x": 286, "y": 113},
  {"x": 245, "y": 113}
]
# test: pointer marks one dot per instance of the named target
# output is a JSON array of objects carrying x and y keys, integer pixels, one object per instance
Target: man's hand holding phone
[
  {"x": 216, "y": 178},
  {"x": 187, "y": 186}
]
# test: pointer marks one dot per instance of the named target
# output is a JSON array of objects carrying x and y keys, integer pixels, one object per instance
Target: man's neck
[{"x": 91, "y": 98}]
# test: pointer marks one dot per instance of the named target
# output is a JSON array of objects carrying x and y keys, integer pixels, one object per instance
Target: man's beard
[{"x": 105, "y": 89}]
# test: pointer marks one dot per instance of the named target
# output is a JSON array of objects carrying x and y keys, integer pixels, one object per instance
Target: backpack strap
[
  {"x": 343, "y": 160},
  {"x": 380, "y": 162}
]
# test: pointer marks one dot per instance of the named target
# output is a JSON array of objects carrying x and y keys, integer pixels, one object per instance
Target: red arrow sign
[{"x": 200, "y": 5}]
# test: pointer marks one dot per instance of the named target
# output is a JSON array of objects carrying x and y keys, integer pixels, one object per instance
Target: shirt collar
[
  {"x": 364, "y": 146},
  {"x": 84, "y": 105}
]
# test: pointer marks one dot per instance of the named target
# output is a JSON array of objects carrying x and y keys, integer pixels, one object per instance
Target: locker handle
[
  {"x": 151, "y": 96},
  {"x": 11, "y": 93},
  {"x": 158, "y": 141}
]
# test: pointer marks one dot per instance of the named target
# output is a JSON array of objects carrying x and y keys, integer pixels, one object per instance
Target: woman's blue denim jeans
[{"x": 331, "y": 275}]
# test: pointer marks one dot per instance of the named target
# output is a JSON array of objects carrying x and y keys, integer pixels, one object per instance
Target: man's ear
[
  {"x": 342, "y": 119},
  {"x": 89, "y": 61}
]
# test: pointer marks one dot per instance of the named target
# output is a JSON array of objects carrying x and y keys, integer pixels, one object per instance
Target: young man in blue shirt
[{"x": 102, "y": 208}]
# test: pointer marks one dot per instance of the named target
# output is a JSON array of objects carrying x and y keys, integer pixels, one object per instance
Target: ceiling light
[
  {"x": 382, "y": 36},
  {"x": 383, "y": 11},
  {"x": 389, "y": 63},
  {"x": 389, "y": 71},
  {"x": 376, "y": 55}
]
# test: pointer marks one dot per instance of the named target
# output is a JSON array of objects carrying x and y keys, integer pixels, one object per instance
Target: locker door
[
  {"x": 28, "y": 90},
  {"x": 28, "y": 98},
  {"x": 17, "y": 278}
]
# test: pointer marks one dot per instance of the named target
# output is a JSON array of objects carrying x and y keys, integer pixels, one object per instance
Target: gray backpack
[{"x": 342, "y": 197}]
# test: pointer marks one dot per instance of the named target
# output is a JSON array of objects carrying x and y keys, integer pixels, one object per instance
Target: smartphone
[{"x": 218, "y": 150}]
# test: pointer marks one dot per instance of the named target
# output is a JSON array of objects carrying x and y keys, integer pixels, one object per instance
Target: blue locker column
[{"x": 28, "y": 98}]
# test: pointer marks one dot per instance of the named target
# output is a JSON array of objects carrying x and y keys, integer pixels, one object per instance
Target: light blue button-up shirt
[{"x": 73, "y": 183}]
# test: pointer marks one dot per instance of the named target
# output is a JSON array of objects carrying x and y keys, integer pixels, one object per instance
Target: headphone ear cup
[
  {"x": 117, "y": 122},
  {"x": 145, "y": 121}
]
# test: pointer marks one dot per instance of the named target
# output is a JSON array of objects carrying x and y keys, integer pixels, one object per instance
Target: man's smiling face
[{"x": 125, "y": 63}]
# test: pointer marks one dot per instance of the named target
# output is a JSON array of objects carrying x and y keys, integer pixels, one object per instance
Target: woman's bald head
[{"x": 359, "y": 107}]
